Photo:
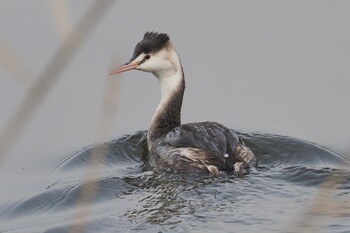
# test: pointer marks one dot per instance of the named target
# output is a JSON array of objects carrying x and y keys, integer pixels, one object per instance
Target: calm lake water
[{"x": 123, "y": 194}]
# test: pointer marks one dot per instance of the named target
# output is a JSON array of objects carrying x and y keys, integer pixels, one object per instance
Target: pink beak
[{"x": 130, "y": 66}]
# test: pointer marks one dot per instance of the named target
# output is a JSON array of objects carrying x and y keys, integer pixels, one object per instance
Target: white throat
[
  {"x": 170, "y": 83},
  {"x": 171, "y": 77},
  {"x": 168, "y": 113},
  {"x": 172, "y": 86}
]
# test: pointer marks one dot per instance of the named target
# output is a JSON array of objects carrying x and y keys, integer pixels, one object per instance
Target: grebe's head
[{"x": 155, "y": 54}]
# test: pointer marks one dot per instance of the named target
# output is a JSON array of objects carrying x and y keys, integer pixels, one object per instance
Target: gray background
[{"x": 272, "y": 66}]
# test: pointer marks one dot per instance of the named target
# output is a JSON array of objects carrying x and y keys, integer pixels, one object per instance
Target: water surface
[{"x": 283, "y": 194}]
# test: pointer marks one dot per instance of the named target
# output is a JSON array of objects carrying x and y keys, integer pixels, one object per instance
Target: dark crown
[{"x": 151, "y": 42}]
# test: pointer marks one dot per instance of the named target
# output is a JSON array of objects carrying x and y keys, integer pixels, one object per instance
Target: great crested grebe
[{"x": 203, "y": 147}]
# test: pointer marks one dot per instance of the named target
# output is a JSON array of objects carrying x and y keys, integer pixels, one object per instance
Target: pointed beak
[{"x": 128, "y": 66}]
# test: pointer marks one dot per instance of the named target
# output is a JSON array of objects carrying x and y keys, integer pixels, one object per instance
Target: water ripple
[{"x": 130, "y": 196}]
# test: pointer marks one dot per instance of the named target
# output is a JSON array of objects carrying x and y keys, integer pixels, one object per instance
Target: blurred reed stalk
[
  {"x": 97, "y": 156},
  {"x": 45, "y": 81},
  {"x": 14, "y": 65},
  {"x": 61, "y": 15},
  {"x": 47, "y": 78},
  {"x": 323, "y": 205}
]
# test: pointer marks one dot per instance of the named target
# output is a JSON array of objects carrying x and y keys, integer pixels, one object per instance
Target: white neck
[
  {"x": 172, "y": 77},
  {"x": 168, "y": 113},
  {"x": 169, "y": 83}
]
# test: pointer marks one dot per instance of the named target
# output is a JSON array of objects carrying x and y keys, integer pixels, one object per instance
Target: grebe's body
[{"x": 203, "y": 147}]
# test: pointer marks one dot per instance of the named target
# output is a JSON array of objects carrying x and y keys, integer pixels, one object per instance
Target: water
[{"x": 284, "y": 193}]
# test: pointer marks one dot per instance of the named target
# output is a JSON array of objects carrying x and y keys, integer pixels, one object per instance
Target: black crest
[{"x": 151, "y": 42}]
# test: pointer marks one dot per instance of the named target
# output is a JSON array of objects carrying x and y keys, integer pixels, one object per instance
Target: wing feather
[{"x": 208, "y": 136}]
